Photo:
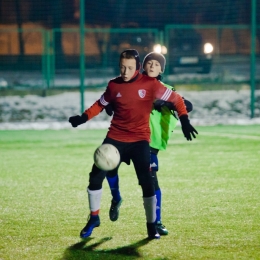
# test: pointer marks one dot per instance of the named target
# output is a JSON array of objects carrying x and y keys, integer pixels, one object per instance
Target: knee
[
  {"x": 94, "y": 186},
  {"x": 155, "y": 180},
  {"x": 147, "y": 187},
  {"x": 96, "y": 178},
  {"x": 156, "y": 185}
]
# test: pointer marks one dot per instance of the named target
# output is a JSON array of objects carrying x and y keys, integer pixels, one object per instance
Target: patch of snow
[{"x": 52, "y": 112}]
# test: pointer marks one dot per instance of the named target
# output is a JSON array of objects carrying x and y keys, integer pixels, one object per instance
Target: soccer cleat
[
  {"x": 93, "y": 221},
  {"x": 161, "y": 229},
  {"x": 152, "y": 232},
  {"x": 114, "y": 210}
]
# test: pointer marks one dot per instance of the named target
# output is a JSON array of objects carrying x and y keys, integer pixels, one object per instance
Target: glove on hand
[
  {"x": 78, "y": 120},
  {"x": 188, "y": 104},
  {"x": 187, "y": 128},
  {"x": 109, "y": 110},
  {"x": 158, "y": 104}
]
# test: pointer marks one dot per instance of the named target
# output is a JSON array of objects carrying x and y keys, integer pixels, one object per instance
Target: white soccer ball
[{"x": 106, "y": 157}]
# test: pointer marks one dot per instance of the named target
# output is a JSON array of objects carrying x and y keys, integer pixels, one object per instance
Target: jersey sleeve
[
  {"x": 105, "y": 99},
  {"x": 94, "y": 110},
  {"x": 167, "y": 94},
  {"x": 99, "y": 105}
]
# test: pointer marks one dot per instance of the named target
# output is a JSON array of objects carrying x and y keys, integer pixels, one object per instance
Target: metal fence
[
  {"x": 198, "y": 58},
  {"x": 52, "y": 53}
]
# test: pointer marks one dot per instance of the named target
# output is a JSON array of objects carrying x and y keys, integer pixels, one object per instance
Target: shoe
[
  {"x": 152, "y": 232},
  {"x": 114, "y": 210},
  {"x": 92, "y": 223},
  {"x": 161, "y": 229}
]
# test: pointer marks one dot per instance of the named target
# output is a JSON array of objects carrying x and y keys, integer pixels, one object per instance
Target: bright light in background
[
  {"x": 164, "y": 50},
  {"x": 157, "y": 48},
  {"x": 208, "y": 48},
  {"x": 160, "y": 49}
]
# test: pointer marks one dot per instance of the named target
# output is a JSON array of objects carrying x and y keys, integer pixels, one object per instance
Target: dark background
[
  {"x": 116, "y": 13},
  {"x": 23, "y": 49}
]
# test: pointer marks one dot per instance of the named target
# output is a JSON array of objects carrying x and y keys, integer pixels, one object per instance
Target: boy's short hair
[
  {"x": 155, "y": 56},
  {"x": 131, "y": 54}
]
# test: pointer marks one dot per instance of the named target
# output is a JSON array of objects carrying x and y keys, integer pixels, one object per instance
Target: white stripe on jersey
[
  {"x": 166, "y": 94},
  {"x": 103, "y": 101}
]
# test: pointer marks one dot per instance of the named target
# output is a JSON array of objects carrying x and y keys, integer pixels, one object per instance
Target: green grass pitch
[{"x": 210, "y": 186}]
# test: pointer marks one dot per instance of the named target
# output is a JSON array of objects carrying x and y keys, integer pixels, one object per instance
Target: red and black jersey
[{"x": 132, "y": 104}]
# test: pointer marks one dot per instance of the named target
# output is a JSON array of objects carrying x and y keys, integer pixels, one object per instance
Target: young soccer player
[
  {"x": 162, "y": 124},
  {"x": 129, "y": 132}
]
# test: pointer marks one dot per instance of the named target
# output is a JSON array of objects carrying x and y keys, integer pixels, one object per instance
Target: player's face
[
  {"x": 153, "y": 68},
  {"x": 127, "y": 68}
]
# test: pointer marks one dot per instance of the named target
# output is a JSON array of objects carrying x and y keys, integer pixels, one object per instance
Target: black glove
[
  {"x": 187, "y": 128},
  {"x": 158, "y": 104},
  {"x": 109, "y": 110},
  {"x": 78, "y": 120},
  {"x": 188, "y": 104}
]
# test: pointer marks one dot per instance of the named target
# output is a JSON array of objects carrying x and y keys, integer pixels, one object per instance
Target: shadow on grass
[{"x": 83, "y": 251}]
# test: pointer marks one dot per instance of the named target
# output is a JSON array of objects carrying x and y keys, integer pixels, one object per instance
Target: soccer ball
[{"x": 106, "y": 157}]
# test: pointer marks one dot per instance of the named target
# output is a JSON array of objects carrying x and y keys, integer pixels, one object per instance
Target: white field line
[
  {"x": 52, "y": 125},
  {"x": 103, "y": 125},
  {"x": 228, "y": 135},
  {"x": 234, "y": 136}
]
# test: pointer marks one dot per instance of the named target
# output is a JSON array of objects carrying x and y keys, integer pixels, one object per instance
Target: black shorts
[{"x": 137, "y": 152}]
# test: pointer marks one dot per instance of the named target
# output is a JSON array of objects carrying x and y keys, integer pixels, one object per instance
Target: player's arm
[
  {"x": 158, "y": 104},
  {"x": 91, "y": 112},
  {"x": 173, "y": 97},
  {"x": 176, "y": 99}
]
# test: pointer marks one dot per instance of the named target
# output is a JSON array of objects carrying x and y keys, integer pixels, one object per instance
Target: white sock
[
  {"x": 94, "y": 199},
  {"x": 150, "y": 208}
]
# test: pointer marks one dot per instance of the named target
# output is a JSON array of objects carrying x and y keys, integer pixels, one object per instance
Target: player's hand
[
  {"x": 109, "y": 110},
  {"x": 158, "y": 104},
  {"x": 187, "y": 129},
  {"x": 78, "y": 120},
  {"x": 188, "y": 104}
]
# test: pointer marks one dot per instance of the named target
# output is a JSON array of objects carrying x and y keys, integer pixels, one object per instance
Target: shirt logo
[
  {"x": 118, "y": 94},
  {"x": 141, "y": 93}
]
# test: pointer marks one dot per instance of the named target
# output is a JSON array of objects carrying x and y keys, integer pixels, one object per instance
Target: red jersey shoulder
[
  {"x": 151, "y": 82},
  {"x": 147, "y": 78}
]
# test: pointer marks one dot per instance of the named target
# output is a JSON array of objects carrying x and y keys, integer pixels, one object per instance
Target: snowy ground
[{"x": 35, "y": 112}]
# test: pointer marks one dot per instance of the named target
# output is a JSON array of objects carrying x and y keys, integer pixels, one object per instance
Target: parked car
[
  {"x": 142, "y": 42},
  {"x": 186, "y": 48}
]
